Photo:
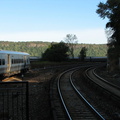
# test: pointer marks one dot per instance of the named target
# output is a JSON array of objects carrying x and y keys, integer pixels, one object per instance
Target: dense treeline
[
  {"x": 37, "y": 48},
  {"x": 92, "y": 49}
]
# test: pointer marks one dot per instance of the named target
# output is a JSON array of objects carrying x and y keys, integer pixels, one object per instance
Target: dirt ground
[{"x": 39, "y": 100}]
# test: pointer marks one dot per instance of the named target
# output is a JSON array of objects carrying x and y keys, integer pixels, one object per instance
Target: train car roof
[{"x": 13, "y": 52}]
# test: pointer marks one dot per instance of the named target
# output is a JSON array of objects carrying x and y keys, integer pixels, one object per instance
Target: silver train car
[{"x": 12, "y": 62}]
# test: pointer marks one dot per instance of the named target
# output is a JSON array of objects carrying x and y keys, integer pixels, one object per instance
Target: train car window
[
  {"x": 18, "y": 60},
  {"x": 0, "y": 61},
  {"x": 15, "y": 61},
  {"x": 12, "y": 61},
  {"x": 3, "y": 61}
]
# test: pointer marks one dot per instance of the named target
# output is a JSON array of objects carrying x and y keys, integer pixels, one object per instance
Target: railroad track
[
  {"x": 111, "y": 89},
  {"x": 68, "y": 102}
]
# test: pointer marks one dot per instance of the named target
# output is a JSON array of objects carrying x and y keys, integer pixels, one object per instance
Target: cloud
[{"x": 92, "y": 36}]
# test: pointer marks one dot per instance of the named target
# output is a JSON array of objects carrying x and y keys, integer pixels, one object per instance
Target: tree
[
  {"x": 56, "y": 52},
  {"x": 83, "y": 53},
  {"x": 71, "y": 41},
  {"x": 111, "y": 10}
]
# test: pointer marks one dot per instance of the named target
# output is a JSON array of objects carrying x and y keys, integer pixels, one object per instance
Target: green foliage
[
  {"x": 83, "y": 53},
  {"x": 38, "y": 48},
  {"x": 56, "y": 52},
  {"x": 33, "y": 48},
  {"x": 92, "y": 50},
  {"x": 111, "y": 10}
]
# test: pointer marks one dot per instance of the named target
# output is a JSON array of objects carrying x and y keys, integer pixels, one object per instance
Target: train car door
[{"x": 8, "y": 63}]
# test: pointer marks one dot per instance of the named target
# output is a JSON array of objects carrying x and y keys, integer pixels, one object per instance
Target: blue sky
[{"x": 51, "y": 20}]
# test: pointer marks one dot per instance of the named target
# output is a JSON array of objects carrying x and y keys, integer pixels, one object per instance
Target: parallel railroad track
[
  {"x": 108, "y": 88},
  {"x": 76, "y": 107}
]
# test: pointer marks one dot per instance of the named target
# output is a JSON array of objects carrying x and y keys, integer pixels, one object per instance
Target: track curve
[{"x": 74, "y": 107}]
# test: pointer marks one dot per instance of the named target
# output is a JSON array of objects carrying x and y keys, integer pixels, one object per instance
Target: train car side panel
[{"x": 12, "y": 62}]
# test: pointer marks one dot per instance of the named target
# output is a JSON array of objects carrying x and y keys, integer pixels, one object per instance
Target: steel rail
[
  {"x": 83, "y": 98},
  {"x": 60, "y": 94},
  {"x": 105, "y": 80},
  {"x": 62, "y": 100}
]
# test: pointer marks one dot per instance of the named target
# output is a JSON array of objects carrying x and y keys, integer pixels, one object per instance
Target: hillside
[{"x": 37, "y": 48}]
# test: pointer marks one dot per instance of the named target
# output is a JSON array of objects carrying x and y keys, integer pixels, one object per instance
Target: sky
[{"x": 51, "y": 21}]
